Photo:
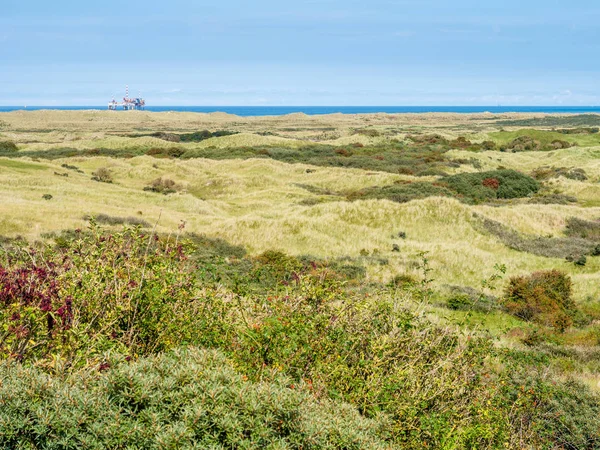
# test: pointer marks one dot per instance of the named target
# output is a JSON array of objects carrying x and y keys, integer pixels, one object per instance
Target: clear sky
[{"x": 311, "y": 52}]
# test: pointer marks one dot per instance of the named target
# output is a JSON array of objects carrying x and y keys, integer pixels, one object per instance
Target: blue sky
[{"x": 325, "y": 52}]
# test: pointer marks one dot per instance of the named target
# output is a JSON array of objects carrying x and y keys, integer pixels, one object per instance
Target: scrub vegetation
[{"x": 377, "y": 281}]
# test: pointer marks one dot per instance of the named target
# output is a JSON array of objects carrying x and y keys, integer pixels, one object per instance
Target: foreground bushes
[
  {"x": 543, "y": 297},
  {"x": 98, "y": 293},
  {"x": 317, "y": 365},
  {"x": 183, "y": 399}
]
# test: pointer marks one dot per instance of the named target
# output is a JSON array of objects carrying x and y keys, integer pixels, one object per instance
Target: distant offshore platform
[{"x": 137, "y": 103}]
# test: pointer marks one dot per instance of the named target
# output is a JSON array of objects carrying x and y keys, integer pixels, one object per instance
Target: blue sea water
[{"x": 313, "y": 110}]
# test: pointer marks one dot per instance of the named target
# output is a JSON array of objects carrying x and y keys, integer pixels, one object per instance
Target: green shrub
[
  {"x": 543, "y": 297},
  {"x": 552, "y": 199},
  {"x": 459, "y": 301},
  {"x": 428, "y": 139},
  {"x": 120, "y": 292},
  {"x": 401, "y": 192},
  {"x": 115, "y": 220},
  {"x": 171, "y": 152},
  {"x": 522, "y": 144},
  {"x": 580, "y": 130},
  {"x": 510, "y": 184},
  {"x": 552, "y": 414},
  {"x": 47, "y": 196},
  {"x": 467, "y": 298},
  {"x": 182, "y": 399},
  {"x": 71, "y": 167},
  {"x": 584, "y": 229},
  {"x": 8, "y": 147},
  {"x": 488, "y": 145},
  {"x": 375, "y": 356}
]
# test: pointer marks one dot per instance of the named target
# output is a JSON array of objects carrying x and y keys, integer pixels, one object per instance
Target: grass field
[
  {"x": 351, "y": 188},
  {"x": 264, "y": 204}
]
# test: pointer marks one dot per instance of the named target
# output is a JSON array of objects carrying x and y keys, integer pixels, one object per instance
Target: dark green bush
[
  {"x": 428, "y": 139},
  {"x": 401, "y": 192},
  {"x": 552, "y": 414},
  {"x": 182, "y": 399},
  {"x": 115, "y": 220},
  {"x": 467, "y": 298},
  {"x": 71, "y": 167},
  {"x": 8, "y": 147},
  {"x": 511, "y": 184},
  {"x": 170, "y": 152}
]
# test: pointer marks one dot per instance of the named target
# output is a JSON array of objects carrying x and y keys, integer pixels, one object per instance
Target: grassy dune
[{"x": 257, "y": 203}]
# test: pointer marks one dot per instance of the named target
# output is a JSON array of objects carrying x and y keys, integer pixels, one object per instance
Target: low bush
[
  {"x": 196, "y": 136},
  {"x": 580, "y": 130},
  {"x": 552, "y": 199},
  {"x": 553, "y": 120},
  {"x": 115, "y": 220},
  {"x": 543, "y": 297},
  {"x": 181, "y": 399},
  {"x": 169, "y": 152},
  {"x": 522, "y": 144},
  {"x": 8, "y": 147},
  {"x": 545, "y": 173},
  {"x": 401, "y": 192},
  {"x": 496, "y": 184},
  {"x": 467, "y": 298},
  {"x": 549, "y": 247},
  {"x": 162, "y": 186},
  {"x": 102, "y": 175},
  {"x": 428, "y": 139},
  {"x": 584, "y": 229},
  {"x": 203, "y": 135},
  {"x": 71, "y": 167}
]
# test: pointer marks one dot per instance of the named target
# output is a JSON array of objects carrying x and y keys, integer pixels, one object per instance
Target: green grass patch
[
  {"x": 579, "y": 120},
  {"x": 20, "y": 165},
  {"x": 541, "y": 140}
]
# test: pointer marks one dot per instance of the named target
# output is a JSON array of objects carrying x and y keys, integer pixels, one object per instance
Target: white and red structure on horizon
[{"x": 128, "y": 103}]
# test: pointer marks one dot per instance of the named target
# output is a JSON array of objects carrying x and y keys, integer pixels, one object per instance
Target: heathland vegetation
[{"x": 378, "y": 281}]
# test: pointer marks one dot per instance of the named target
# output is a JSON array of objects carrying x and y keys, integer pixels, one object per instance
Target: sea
[{"x": 315, "y": 110}]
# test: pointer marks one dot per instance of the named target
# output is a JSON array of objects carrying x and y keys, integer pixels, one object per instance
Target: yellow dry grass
[
  {"x": 256, "y": 203},
  {"x": 261, "y": 203}
]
